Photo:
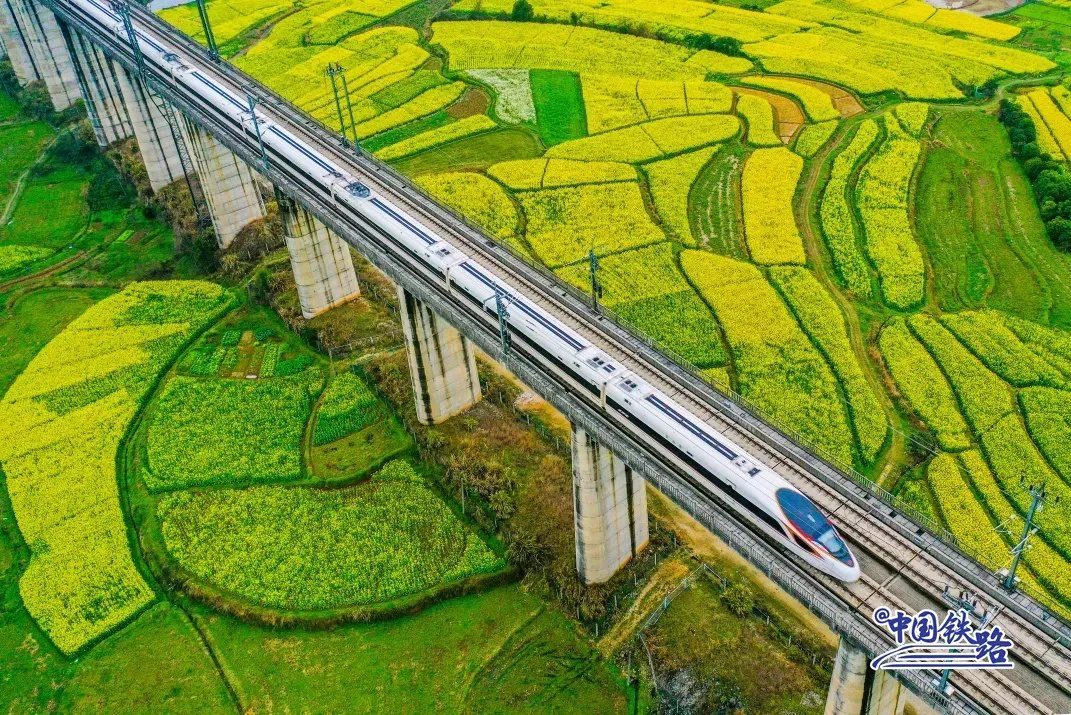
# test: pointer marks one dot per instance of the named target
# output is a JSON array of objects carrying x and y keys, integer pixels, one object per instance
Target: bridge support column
[
  {"x": 157, "y": 140},
  {"x": 48, "y": 51},
  {"x": 230, "y": 186},
  {"x": 855, "y": 689},
  {"x": 323, "y": 266},
  {"x": 609, "y": 508},
  {"x": 442, "y": 362},
  {"x": 98, "y": 78},
  {"x": 17, "y": 43}
]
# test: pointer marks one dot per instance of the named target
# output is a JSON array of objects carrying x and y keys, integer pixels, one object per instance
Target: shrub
[{"x": 522, "y": 11}]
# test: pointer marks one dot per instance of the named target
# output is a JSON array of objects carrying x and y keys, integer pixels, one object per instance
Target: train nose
[{"x": 848, "y": 572}]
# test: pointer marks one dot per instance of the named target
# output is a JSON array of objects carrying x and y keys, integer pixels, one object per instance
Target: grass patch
[
  {"x": 559, "y": 104},
  {"x": 473, "y": 153},
  {"x": 421, "y": 663},
  {"x": 49, "y": 214}
]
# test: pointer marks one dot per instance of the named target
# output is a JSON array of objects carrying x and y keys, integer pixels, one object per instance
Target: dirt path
[
  {"x": 660, "y": 584},
  {"x": 807, "y": 217},
  {"x": 13, "y": 200}
]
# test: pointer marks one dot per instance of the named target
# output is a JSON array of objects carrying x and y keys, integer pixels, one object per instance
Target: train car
[{"x": 717, "y": 464}]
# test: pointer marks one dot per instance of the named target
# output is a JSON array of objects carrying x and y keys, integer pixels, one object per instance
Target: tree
[
  {"x": 522, "y": 11},
  {"x": 739, "y": 600}
]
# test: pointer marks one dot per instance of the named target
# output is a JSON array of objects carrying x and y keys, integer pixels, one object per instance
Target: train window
[
  {"x": 358, "y": 189},
  {"x": 801, "y": 543},
  {"x": 754, "y": 509}
]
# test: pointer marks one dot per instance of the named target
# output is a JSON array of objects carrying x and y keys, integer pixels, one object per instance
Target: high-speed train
[{"x": 716, "y": 464}]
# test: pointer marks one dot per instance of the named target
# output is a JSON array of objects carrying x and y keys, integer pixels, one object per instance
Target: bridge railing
[{"x": 818, "y": 456}]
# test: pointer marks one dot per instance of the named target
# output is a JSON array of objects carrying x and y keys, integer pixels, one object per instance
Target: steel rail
[{"x": 655, "y": 467}]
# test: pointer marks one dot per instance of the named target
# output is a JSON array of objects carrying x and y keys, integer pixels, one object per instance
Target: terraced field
[{"x": 768, "y": 192}]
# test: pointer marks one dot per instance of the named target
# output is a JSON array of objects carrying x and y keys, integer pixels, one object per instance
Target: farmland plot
[{"x": 63, "y": 420}]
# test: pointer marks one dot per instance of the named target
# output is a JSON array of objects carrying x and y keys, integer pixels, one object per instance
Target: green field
[{"x": 914, "y": 206}]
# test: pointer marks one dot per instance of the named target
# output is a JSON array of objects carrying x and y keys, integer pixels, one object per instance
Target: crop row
[
  {"x": 59, "y": 453},
  {"x": 13, "y": 258},
  {"x": 228, "y": 432},
  {"x": 646, "y": 289},
  {"x": 505, "y": 45},
  {"x": 777, "y": 366},
  {"x": 565, "y": 224},
  {"x": 758, "y": 115},
  {"x": 526, "y": 174},
  {"x": 882, "y": 196},
  {"x": 311, "y": 549},
  {"x": 348, "y": 406},
  {"x": 984, "y": 396},
  {"x": 768, "y": 186},
  {"x": 477, "y": 198},
  {"x": 441, "y": 135},
  {"x": 1046, "y": 141},
  {"x": 837, "y": 215},
  {"x": 1048, "y": 565},
  {"x": 817, "y": 104},
  {"x": 813, "y": 137},
  {"x": 921, "y": 382},
  {"x": 612, "y": 101},
  {"x": 988, "y": 336},
  {"x": 650, "y": 140},
  {"x": 824, "y": 322},
  {"x": 1056, "y": 122},
  {"x": 670, "y": 181}
]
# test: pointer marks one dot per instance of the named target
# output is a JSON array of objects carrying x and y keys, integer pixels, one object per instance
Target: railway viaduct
[{"x": 49, "y": 43}]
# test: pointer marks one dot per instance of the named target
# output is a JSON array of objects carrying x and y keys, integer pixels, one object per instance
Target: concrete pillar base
[
  {"x": 49, "y": 52},
  {"x": 442, "y": 362},
  {"x": 323, "y": 266},
  {"x": 229, "y": 184},
  {"x": 857, "y": 690},
  {"x": 99, "y": 82},
  {"x": 157, "y": 140},
  {"x": 610, "y": 509},
  {"x": 17, "y": 43}
]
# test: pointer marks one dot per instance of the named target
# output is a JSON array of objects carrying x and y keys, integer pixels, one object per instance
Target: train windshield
[{"x": 805, "y": 516}]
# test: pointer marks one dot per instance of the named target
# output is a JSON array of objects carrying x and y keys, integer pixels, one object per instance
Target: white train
[{"x": 716, "y": 463}]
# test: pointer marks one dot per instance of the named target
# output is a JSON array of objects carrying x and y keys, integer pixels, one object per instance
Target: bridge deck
[{"x": 904, "y": 566}]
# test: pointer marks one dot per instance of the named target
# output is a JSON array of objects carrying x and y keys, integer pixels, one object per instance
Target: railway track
[{"x": 899, "y": 552}]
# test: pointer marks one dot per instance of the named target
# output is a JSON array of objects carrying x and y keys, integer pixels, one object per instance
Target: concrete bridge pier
[
  {"x": 323, "y": 266},
  {"x": 230, "y": 186},
  {"x": 609, "y": 507},
  {"x": 99, "y": 83},
  {"x": 442, "y": 362},
  {"x": 48, "y": 51},
  {"x": 17, "y": 44},
  {"x": 855, "y": 689},
  {"x": 157, "y": 139}
]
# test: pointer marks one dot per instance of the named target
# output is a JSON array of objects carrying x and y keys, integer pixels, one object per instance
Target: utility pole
[
  {"x": 1037, "y": 501},
  {"x": 253, "y": 102},
  {"x": 122, "y": 9},
  {"x": 503, "y": 321},
  {"x": 333, "y": 70},
  {"x": 963, "y": 601},
  {"x": 210, "y": 37},
  {"x": 349, "y": 107},
  {"x": 596, "y": 286}
]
